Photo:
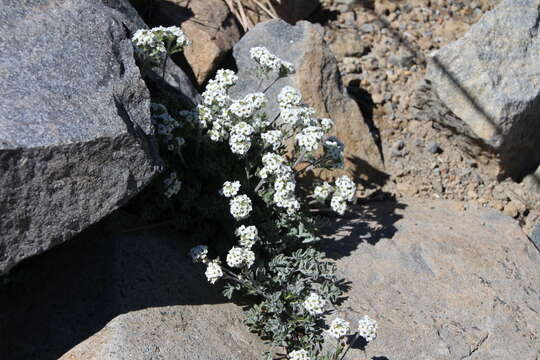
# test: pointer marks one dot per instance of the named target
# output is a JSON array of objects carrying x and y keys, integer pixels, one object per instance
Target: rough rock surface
[
  {"x": 76, "y": 140},
  {"x": 108, "y": 296},
  {"x": 442, "y": 282},
  {"x": 318, "y": 79},
  {"x": 210, "y": 26},
  {"x": 489, "y": 78}
]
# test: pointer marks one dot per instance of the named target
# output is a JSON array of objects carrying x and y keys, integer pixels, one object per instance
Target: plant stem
[
  {"x": 349, "y": 346},
  {"x": 164, "y": 67}
]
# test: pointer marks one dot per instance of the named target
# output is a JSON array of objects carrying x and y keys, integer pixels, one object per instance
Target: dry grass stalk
[{"x": 250, "y": 12}]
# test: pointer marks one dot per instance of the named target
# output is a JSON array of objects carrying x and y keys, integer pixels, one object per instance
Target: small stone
[
  {"x": 398, "y": 145},
  {"x": 511, "y": 209},
  {"x": 367, "y": 28},
  {"x": 433, "y": 147}
]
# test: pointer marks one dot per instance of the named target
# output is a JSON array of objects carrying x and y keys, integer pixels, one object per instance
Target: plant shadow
[{"x": 367, "y": 223}]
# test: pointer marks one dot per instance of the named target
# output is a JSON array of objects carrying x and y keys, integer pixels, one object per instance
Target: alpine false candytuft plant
[{"x": 232, "y": 166}]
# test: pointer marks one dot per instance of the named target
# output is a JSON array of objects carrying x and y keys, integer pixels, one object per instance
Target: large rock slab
[
  {"x": 442, "y": 282},
  {"x": 107, "y": 295},
  {"x": 210, "y": 26},
  {"x": 76, "y": 140},
  {"x": 317, "y": 77},
  {"x": 490, "y": 79}
]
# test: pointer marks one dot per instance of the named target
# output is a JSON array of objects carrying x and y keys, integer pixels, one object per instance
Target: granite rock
[
  {"x": 489, "y": 79},
  {"x": 76, "y": 139}
]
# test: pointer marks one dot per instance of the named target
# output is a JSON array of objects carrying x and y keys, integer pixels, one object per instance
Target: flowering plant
[{"x": 251, "y": 165}]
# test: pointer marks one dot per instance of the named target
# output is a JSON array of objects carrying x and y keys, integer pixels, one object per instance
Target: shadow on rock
[
  {"x": 369, "y": 223},
  {"x": 53, "y": 302}
]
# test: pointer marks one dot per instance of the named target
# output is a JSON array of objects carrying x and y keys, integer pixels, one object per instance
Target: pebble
[
  {"x": 367, "y": 28},
  {"x": 433, "y": 147}
]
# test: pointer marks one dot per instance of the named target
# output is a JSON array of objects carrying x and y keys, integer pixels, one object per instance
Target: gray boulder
[
  {"x": 318, "y": 79},
  {"x": 442, "y": 282},
  {"x": 490, "y": 80},
  {"x": 76, "y": 140}
]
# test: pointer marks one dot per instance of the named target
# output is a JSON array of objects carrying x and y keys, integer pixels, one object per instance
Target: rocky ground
[{"x": 382, "y": 53}]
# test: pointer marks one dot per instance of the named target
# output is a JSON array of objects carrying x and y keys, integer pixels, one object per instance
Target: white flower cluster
[
  {"x": 322, "y": 192},
  {"x": 240, "y": 138},
  {"x": 339, "y": 328},
  {"x": 213, "y": 272},
  {"x": 269, "y": 62},
  {"x": 199, "y": 253},
  {"x": 172, "y": 184},
  {"x": 326, "y": 124},
  {"x": 367, "y": 328},
  {"x": 333, "y": 150},
  {"x": 248, "y": 235},
  {"x": 272, "y": 164},
  {"x": 240, "y": 256},
  {"x": 314, "y": 304},
  {"x": 289, "y": 97},
  {"x": 156, "y": 42},
  {"x": 299, "y": 355},
  {"x": 302, "y": 115},
  {"x": 230, "y": 188},
  {"x": 284, "y": 182},
  {"x": 273, "y": 138},
  {"x": 240, "y": 207},
  {"x": 310, "y": 137},
  {"x": 345, "y": 190}
]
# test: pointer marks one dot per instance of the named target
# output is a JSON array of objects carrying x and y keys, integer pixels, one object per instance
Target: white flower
[
  {"x": 269, "y": 62},
  {"x": 240, "y": 144},
  {"x": 339, "y": 328},
  {"x": 308, "y": 139},
  {"x": 248, "y": 235},
  {"x": 314, "y": 304},
  {"x": 327, "y": 124},
  {"x": 249, "y": 257},
  {"x": 199, "y": 253},
  {"x": 240, "y": 207},
  {"x": 333, "y": 150},
  {"x": 367, "y": 328},
  {"x": 257, "y": 100},
  {"x": 299, "y": 355},
  {"x": 242, "y": 108},
  {"x": 322, "y": 192},
  {"x": 288, "y": 97},
  {"x": 172, "y": 184},
  {"x": 213, "y": 272},
  {"x": 273, "y": 164},
  {"x": 242, "y": 128},
  {"x": 230, "y": 189},
  {"x": 215, "y": 94},
  {"x": 226, "y": 78},
  {"x": 152, "y": 42},
  {"x": 297, "y": 115},
  {"x": 239, "y": 257},
  {"x": 338, "y": 204},
  {"x": 273, "y": 138},
  {"x": 235, "y": 257},
  {"x": 345, "y": 188}
]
